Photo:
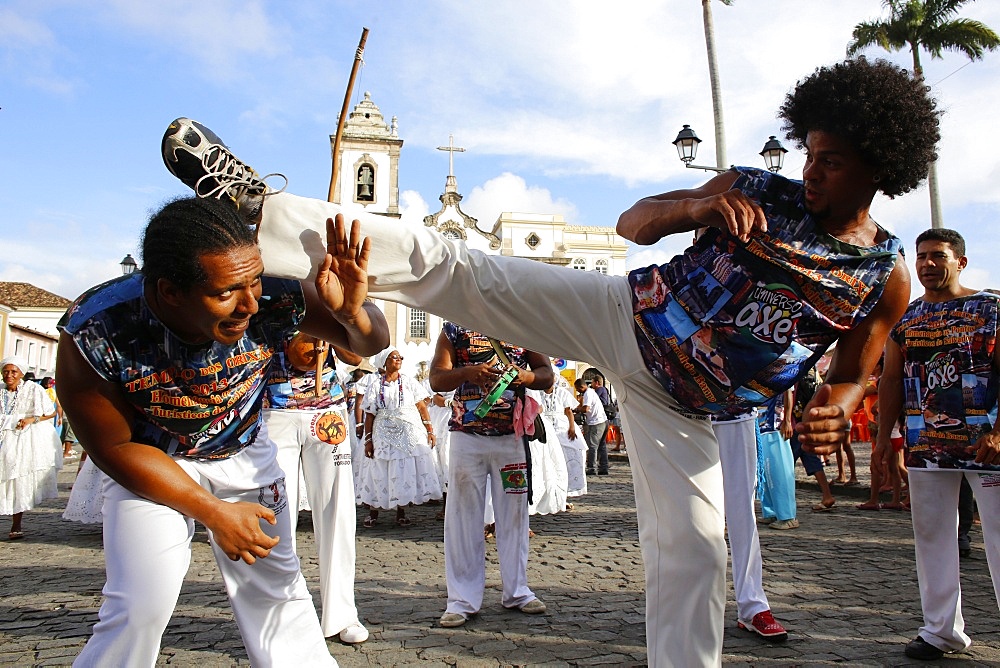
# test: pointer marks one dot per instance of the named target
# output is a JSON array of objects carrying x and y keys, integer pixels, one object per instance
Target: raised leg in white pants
[
  {"x": 577, "y": 315},
  {"x": 330, "y": 489},
  {"x": 934, "y": 509},
  {"x": 738, "y": 453},
  {"x": 473, "y": 459},
  {"x": 147, "y": 552}
]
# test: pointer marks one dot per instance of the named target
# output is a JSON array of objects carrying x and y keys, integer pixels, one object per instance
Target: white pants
[
  {"x": 738, "y": 452},
  {"x": 473, "y": 460},
  {"x": 147, "y": 551},
  {"x": 576, "y": 315},
  {"x": 329, "y": 481},
  {"x": 934, "y": 511}
]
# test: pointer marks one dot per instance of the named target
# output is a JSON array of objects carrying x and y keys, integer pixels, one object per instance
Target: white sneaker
[
  {"x": 533, "y": 607},
  {"x": 784, "y": 524},
  {"x": 354, "y": 634},
  {"x": 450, "y": 620}
]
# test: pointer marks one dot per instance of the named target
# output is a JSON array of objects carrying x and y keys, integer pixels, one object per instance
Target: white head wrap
[
  {"x": 19, "y": 362},
  {"x": 378, "y": 361}
]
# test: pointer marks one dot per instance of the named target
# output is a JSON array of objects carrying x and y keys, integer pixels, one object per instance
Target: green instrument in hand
[{"x": 508, "y": 376}]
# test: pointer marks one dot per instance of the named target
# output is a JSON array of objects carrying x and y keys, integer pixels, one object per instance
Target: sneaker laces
[{"x": 232, "y": 176}]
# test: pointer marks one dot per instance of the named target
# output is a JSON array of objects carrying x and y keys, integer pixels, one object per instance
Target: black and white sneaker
[{"x": 199, "y": 158}]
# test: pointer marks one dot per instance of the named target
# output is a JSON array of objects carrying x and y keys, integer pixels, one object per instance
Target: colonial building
[
  {"x": 369, "y": 175},
  {"x": 28, "y": 317}
]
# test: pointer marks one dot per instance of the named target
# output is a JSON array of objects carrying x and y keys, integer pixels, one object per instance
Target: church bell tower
[{"x": 369, "y": 161}]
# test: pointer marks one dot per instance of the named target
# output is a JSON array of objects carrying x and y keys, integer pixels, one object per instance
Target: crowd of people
[{"x": 175, "y": 380}]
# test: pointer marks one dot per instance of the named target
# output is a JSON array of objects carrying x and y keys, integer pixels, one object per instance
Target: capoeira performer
[
  {"x": 311, "y": 430},
  {"x": 162, "y": 373},
  {"x": 787, "y": 269},
  {"x": 485, "y": 448}
]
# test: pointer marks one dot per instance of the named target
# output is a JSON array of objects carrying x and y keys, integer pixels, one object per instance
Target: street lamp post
[
  {"x": 687, "y": 149},
  {"x": 128, "y": 265}
]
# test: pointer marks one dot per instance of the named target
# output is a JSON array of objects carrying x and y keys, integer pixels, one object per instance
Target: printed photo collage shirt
[
  {"x": 949, "y": 383},
  {"x": 727, "y": 325}
]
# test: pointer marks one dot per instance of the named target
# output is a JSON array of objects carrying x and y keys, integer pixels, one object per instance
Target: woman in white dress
[
  {"x": 549, "y": 475},
  {"x": 29, "y": 445},
  {"x": 558, "y": 410},
  {"x": 398, "y": 441}
]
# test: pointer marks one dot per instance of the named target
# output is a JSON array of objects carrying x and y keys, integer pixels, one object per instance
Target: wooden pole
[
  {"x": 321, "y": 345},
  {"x": 343, "y": 113}
]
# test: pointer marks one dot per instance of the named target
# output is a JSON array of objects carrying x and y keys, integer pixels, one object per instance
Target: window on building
[
  {"x": 533, "y": 240},
  {"x": 18, "y": 347},
  {"x": 365, "y": 186},
  {"x": 454, "y": 235},
  {"x": 579, "y": 263},
  {"x": 43, "y": 359},
  {"x": 418, "y": 324},
  {"x": 601, "y": 266}
]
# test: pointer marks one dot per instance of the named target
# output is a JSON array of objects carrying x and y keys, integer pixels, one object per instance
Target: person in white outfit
[
  {"x": 312, "y": 432},
  {"x": 28, "y": 462},
  {"x": 398, "y": 440},
  {"x": 162, "y": 373},
  {"x": 941, "y": 373},
  {"x": 738, "y": 455},
  {"x": 485, "y": 448},
  {"x": 559, "y": 405},
  {"x": 799, "y": 265}
]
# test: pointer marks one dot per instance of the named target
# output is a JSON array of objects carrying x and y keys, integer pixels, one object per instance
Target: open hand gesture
[{"x": 342, "y": 280}]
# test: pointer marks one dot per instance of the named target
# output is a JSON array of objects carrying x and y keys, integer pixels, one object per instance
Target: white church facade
[{"x": 369, "y": 177}]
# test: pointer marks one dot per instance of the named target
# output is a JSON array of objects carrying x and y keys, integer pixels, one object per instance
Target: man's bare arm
[
  {"x": 714, "y": 204},
  {"x": 102, "y": 420},
  {"x": 826, "y": 417}
]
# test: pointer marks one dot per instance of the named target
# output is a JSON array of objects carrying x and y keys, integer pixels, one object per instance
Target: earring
[{"x": 876, "y": 178}]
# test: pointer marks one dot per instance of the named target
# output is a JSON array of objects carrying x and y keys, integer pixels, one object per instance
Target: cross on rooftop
[{"x": 452, "y": 150}]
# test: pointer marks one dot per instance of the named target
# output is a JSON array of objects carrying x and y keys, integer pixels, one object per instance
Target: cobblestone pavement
[{"x": 843, "y": 583}]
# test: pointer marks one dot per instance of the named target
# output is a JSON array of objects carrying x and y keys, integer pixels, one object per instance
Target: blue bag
[{"x": 777, "y": 490}]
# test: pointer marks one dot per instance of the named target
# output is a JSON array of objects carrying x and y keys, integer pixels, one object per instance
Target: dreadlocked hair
[
  {"x": 185, "y": 229},
  {"x": 880, "y": 109}
]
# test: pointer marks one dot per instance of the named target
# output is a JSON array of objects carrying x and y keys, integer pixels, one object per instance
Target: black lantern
[
  {"x": 773, "y": 154},
  {"x": 687, "y": 144},
  {"x": 128, "y": 265}
]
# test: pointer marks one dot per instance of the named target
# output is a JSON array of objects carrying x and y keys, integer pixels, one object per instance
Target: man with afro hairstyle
[{"x": 785, "y": 269}]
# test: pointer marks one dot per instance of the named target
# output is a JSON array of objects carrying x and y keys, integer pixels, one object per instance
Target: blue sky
[{"x": 562, "y": 107}]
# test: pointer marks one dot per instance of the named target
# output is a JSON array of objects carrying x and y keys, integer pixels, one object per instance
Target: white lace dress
[
  {"x": 549, "y": 476},
  {"x": 87, "y": 498},
  {"x": 403, "y": 469},
  {"x": 574, "y": 451},
  {"x": 29, "y": 457},
  {"x": 440, "y": 415}
]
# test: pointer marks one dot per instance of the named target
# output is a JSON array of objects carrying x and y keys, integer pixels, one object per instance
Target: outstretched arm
[
  {"x": 714, "y": 204},
  {"x": 827, "y": 416},
  {"x": 336, "y": 310}
]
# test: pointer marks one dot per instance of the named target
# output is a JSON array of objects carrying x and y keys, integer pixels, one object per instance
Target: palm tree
[
  {"x": 713, "y": 75},
  {"x": 928, "y": 24}
]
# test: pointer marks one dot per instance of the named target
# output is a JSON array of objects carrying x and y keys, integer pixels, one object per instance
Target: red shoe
[{"x": 763, "y": 624}]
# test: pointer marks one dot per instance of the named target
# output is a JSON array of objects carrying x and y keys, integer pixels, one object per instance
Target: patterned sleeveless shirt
[
  {"x": 728, "y": 325},
  {"x": 200, "y": 401}
]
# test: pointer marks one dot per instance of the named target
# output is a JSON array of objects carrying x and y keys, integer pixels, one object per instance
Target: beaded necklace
[
  {"x": 381, "y": 392},
  {"x": 9, "y": 400}
]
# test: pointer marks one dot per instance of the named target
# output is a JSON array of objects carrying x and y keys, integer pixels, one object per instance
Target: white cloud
[{"x": 510, "y": 192}]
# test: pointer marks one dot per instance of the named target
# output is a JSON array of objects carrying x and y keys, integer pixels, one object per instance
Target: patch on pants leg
[
  {"x": 514, "y": 478},
  {"x": 273, "y": 496}
]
